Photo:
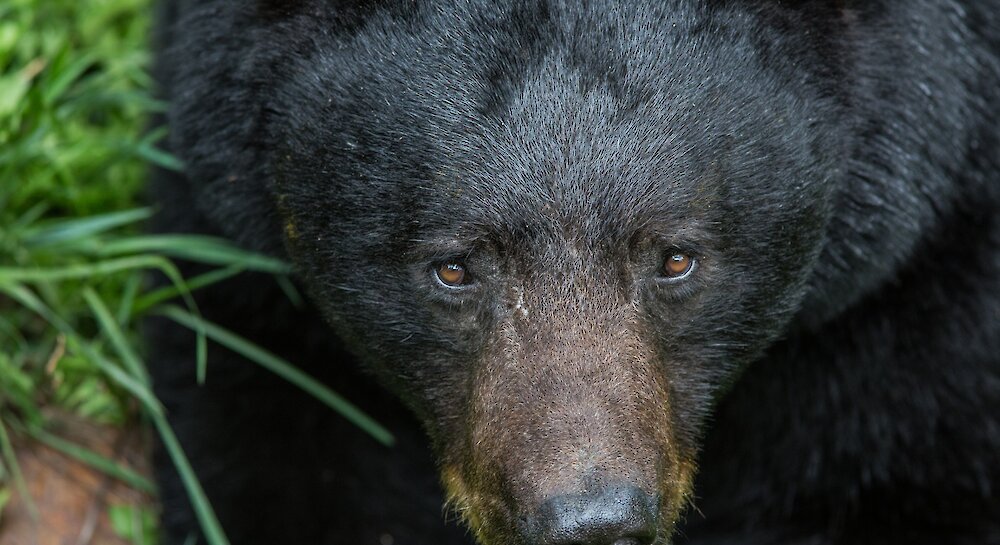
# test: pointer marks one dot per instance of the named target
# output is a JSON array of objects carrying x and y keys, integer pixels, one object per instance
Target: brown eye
[
  {"x": 452, "y": 274},
  {"x": 678, "y": 265}
]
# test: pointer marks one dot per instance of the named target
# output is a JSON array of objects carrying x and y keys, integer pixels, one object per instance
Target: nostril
[{"x": 615, "y": 516}]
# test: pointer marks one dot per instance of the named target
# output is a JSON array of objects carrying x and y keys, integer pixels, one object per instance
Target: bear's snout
[
  {"x": 615, "y": 515},
  {"x": 569, "y": 435}
]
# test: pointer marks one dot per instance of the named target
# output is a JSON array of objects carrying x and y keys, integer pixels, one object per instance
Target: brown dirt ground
[{"x": 72, "y": 498}]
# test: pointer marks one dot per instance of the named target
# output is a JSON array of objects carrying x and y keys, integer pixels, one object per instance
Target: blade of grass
[
  {"x": 138, "y": 390},
  {"x": 8, "y": 330},
  {"x": 85, "y": 270},
  {"x": 146, "y": 148},
  {"x": 10, "y": 275},
  {"x": 56, "y": 88},
  {"x": 138, "y": 530},
  {"x": 29, "y": 216},
  {"x": 74, "y": 229},
  {"x": 10, "y": 458},
  {"x": 115, "y": 335},
  {"x": 158, "y": 157},
  {"x": 203, "y": 249},
  {"x": 284, "y": 370},
  {"x": 92, "y": 459},
  {"x": 206, "y": 516},
  {"x": 141, "y": 391},
  {"x": 291, "y": 292},
  {"x": 127, "y": 300},
  {"x": 153, "y": 298},
  {"x": 5, "y": 495},
  {"x": 199, "y": 501},
  {"x": 99, "y": 98}
]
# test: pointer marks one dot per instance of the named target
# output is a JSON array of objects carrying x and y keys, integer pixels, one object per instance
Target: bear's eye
[
  {"x": 678, "y": 265},
  {"x": 452, "y": 274}
]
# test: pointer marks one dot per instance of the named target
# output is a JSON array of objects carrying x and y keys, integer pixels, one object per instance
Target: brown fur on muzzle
[{"x": 567, "y": 400}]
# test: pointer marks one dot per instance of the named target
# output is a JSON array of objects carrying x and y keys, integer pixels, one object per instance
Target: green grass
[
  {"x": 75, "y": 96},
  {"x": 74, "y": 93}
]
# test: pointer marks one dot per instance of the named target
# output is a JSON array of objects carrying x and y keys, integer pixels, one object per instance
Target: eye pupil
[
  {"x": 451, "y": 274},
  {"x": 677, "y": 265}
]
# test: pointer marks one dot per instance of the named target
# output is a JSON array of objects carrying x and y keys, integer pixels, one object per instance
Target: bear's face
[{"x": 558, "y": 237}]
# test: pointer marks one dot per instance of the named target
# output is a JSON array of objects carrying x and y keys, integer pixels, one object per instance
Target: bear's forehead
[
  {"x": 477, "y": 136},
  {"x": 571, "y": 160},
  {"x": 478, "y": 60}
]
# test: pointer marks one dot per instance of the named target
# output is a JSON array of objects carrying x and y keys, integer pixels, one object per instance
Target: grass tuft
[{"x": 74, "y": 150}]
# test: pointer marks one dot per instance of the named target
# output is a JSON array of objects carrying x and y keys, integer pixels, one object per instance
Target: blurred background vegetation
[
  {"x": 75, "y": 95},
  {"x": 77, "y": 413}
]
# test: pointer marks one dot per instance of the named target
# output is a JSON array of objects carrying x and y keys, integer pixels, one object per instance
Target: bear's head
[{"x": 558, "y": 234}]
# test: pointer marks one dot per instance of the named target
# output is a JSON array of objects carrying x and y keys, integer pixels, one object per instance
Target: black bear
[{"x": 571, "y": 252}]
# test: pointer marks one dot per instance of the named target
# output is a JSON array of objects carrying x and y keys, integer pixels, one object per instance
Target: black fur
[{"x": 835, "y": 167}]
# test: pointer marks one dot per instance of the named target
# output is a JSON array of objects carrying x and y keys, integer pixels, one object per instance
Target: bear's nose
[{"x": 615, "y": 516}]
